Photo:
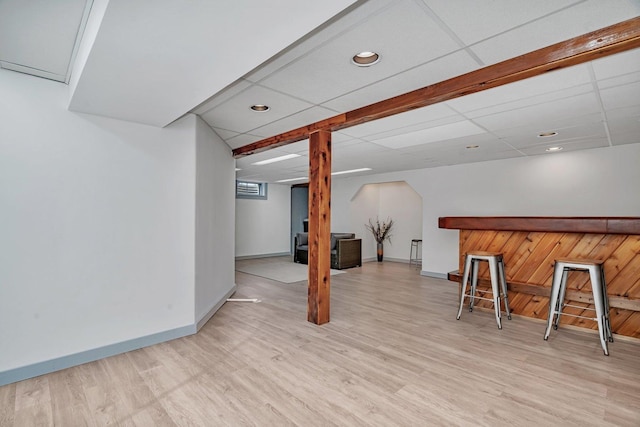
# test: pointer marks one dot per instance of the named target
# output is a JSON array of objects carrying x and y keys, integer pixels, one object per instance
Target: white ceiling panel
[
  {"x": 328, "y": 73},
  {"x": 236, "y": 114},
  {"x": 615, "y": 65},
  {"x": 621, "y": 96},
  {"x": 242, "y": 140},
  {"x": 571, "y": 22},
  {"x": 524, "y": 92},
  {"x": 40, "y": 37},
  {"x": 582, "y": 144},
  {"x": 542, "y": 115},
  {"x": 433, "y": 134},
  {"x": 222, "y": 96},
  {"x": 565, "y": 135},
  {"x": 473, "y": 20},
  {"x": 435, "y": 71},
  {"x": 308, "y": 116},
  {"x": 412, "y": 118}
]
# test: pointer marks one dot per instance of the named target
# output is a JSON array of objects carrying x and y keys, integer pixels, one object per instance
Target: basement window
[{"x": 251, "y": 190}]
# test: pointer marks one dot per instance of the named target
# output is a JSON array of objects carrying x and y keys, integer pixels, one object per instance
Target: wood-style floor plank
[{"x": 392, "y": 355}]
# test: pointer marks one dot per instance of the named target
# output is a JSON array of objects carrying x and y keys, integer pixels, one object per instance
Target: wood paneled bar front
[{"x": 530, "y": 246}]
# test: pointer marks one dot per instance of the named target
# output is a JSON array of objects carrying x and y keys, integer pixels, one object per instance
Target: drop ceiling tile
[
  {"x": 399, "y": 121},
  {"x": 294, "y": 121},
  {"x": 530, "y": 91},
  {"x": 432, "y": 134},
  {"x": 222, "y": 96},
  {"x": 435, "y": 71},
  {"x": 624, "y": 79},
  {"x": 236, "y": 114},
  {"x": 328, "y": 72},
  {"x": 567, "y": 135},
  {"x": 583, "y": 144},
  {"x": 557, "y": 125},
  {"x": 242, "y": 140},
  {"x": 346, "y": 21},
  {"x": 41, "y": 37},
  {"x": 618, "y": 64},
  {"x": 484, "y": 141},
  {"x": 580, "y": 19},
  {"x": 625, "y": 138},
  {"x": 541, "y": 115},
  {"x": 621, "y": 96},
  {"x": 225, "y": 134},
  {"x": 474, "y": 20}
]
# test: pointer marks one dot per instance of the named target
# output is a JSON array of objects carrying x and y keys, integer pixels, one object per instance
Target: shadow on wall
[{"x": 397, "y": 200}]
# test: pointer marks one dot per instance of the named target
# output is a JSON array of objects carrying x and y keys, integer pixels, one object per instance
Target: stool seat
[
  {"x": 581, "y": 261},
  {"x": 484, "y": 253},
  {"x": 595, "y": 268},
  {"x": 498, "y": 282}
]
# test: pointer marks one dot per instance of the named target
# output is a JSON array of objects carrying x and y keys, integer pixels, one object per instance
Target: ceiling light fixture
[
  {"x": 351, "y": 171},
  {"x": 260, "y": 108},
  {"x": 293, "y": 179},
  {"x": 276, "y": 159},
  {"x": 365, "y": 59},
  {"x": 552, "y": 149},
  {"x": 547, "y": 134},
  {"x": 238, "y": 169}
]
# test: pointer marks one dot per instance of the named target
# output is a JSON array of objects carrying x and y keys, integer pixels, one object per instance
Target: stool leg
[
  {"x": 493, "y": 272},
  {"x": 474, "y": 282},
  {"x": 596, "y": 288},
  {"x": 503, "y": 282},
  {"x": 606, "y": 305},
  {"x": 553, "y": 298},
  {"x": 411, "y": 254},
  {"x": 563, "y": 292},
  {"x": 463, "y": 290}
]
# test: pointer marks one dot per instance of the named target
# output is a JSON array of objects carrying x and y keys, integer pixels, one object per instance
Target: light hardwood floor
[{"x": 393, "y": 355}]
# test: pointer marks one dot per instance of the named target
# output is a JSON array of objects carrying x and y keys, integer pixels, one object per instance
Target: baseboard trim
[
  {"x": 64, "y": 362},
  {"x": 209, "y": 314},
  {"x": 240, "y": 258},
  {"x": 433, "y": 274}
]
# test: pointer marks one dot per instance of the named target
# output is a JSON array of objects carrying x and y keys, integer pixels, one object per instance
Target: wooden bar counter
[{"x": 531, "y": 244}]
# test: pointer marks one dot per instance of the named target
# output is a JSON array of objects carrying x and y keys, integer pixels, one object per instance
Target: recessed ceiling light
[
  {"x": 547, "y": 134},
  {"x": 351, "y": 171},
  {"x": 293, "y": 179},
  {"x": 365, "y": 59},
  {"x": 238, "y": 169},
  {"x": 276, "y": 159},
  {"x": 260, "y": 108},
  {"x": 552, "y": 149},
  {"x": 472, "y": 146}
]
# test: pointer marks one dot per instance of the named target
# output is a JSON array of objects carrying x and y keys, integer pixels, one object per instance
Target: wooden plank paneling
[
  {"x": 318, "y": 301},
  {"x": 529, "y": 259}
]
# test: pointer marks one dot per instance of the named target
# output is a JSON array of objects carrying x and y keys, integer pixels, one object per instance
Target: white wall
[
  {"x": 396, "y": 200},
  {"x": 263, "y": 226},
  {"x": 215, "y": 221},
  {"x": 597, "y": 182},
  {"x": 97, "y": 226}
]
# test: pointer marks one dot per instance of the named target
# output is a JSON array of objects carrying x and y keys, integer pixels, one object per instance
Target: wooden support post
[{"x": 318, "y": 301}]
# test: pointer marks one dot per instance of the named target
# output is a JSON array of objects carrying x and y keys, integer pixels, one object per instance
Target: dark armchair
[{"x": 346, "y": 250}]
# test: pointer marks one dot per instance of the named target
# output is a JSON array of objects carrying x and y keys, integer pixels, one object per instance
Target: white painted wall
[
  {"x": 396, "y": 200},
  {"x": 215, "y": 220},
  {"x": 263, "y": 226},
  {"x": 98, "y": 226},
  {"x": 597, "y": 182}
]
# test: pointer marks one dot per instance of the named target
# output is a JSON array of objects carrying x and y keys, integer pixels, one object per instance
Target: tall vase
[{"x": 380, "y": 251}]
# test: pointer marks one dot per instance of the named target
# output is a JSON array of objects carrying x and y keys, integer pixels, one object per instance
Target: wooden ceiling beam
[{"x": 588, "y": 47}]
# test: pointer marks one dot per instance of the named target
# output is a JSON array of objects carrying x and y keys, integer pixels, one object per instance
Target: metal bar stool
[
  {"x": 595, "y": 269},
  {"x": 496, "y": 271},
  {"x": 417, "y": 244}
]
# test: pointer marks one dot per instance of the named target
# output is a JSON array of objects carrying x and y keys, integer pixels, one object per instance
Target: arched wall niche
[{"x": 396, "y": 200}]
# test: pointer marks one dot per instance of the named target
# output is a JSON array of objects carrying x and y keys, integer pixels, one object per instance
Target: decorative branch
[{"x": 381, "y": 232}]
